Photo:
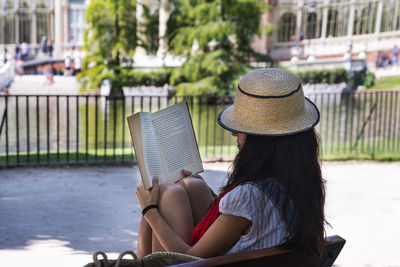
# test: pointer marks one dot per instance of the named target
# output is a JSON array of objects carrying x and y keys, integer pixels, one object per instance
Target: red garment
[{"x": 210, "y": 218}]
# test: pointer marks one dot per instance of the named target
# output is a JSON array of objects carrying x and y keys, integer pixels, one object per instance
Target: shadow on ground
[{"x": 86, "y": 209}]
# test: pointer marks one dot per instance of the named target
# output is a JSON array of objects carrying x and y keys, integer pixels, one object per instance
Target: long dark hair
[{"x": 293, "y": 162}]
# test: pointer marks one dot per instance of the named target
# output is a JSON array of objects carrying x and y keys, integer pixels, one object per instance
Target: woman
[{"x": 275, "y": 193}]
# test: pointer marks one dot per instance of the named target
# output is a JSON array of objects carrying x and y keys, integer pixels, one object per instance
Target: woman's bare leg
[
  {"x": 182, "y": 206},
  {"x": 174, "y": 207},
  {"x": 144, "y": 243},
  {"x": 200, "y": 197}
]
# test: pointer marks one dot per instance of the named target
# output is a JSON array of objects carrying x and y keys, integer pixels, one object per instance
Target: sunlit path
[{"x": 59, "y": 216}]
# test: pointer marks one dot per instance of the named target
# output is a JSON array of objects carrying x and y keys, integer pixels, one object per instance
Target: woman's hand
[
  {"x": 148, "y": 197},
  {"x": 187, "y": 173},
  {"x": 195, "y": 175}
]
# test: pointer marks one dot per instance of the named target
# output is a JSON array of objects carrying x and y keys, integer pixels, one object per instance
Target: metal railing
[{"x": 80, "y": 129}]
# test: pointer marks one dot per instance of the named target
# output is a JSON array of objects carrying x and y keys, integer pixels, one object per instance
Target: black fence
[{"x": 37, "y": 129}]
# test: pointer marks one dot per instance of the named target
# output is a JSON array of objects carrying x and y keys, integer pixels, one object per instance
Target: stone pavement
[{"x": 59, "y": 216}]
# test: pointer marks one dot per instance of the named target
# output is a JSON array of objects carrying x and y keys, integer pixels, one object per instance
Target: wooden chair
[{"x": 275, "y": 256}]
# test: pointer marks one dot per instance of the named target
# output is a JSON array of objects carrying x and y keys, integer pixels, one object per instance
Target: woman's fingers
[
  {"x": 155, "y": 181},
  {"x": 186, "y": 173},
  {"x": 154, "y": 190}
]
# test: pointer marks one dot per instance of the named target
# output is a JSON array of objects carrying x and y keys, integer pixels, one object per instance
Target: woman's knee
[
  {"x": 200, "y": 196},
  {"x": 170, "y": 193},
  {"x": 193, "y": 184},
  {"x": 170, "y": 189}
]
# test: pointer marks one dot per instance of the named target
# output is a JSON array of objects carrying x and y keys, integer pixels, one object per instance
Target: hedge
[
  {"x": 161, "y": 77},
  {"x": 337, "y": 75},
  {"x": 158, "y": 78}
]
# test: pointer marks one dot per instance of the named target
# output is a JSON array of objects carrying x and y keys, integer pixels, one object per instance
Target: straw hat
[{"x": 269, "y": 102}]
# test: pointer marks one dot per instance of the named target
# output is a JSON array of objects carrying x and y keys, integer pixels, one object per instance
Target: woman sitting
[{"x": 274, "y": 194}]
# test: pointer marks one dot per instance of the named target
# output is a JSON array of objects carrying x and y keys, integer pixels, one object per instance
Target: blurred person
[
  {"x": 19, "y": 67},
  {"x": 77, "y": 65},
  {"x": 395, "y": 54},
  {"x": 49, "y": 74},
  {"x": 72, "y": 43},
  {"x": 24, "y": 50},
  {"x": 67, "y": 66},
  {"x": 44, "y": 44},
  {"x": 50, "y": 47},
  {"x": 17, "y": 52},
  {"x": 5, "y": 55}
]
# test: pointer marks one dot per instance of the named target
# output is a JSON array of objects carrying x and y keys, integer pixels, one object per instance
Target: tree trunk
[{"x": 116, "y": 86}]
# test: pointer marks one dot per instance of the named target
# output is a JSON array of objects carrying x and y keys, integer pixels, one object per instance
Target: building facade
[
  {"x": 61, "y": 22},
  {"x": 326, "y": 29},
  {"x": 303, "y": 29}
]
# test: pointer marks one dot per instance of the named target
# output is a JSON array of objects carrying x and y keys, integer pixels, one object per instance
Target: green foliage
[
  {"x": 269, "y": 29},
  {"x": 363, "y": 77},
  {"x": 387, "y": 83},
  {"x": 133, "y": 77},
  {"x": 223, "y": 32},
  {"x": 110, "y": 37},
  {"x": 150, "y": 32},
  {"x": 369, "y": 79},
  {"x": 323, "y": 76}
]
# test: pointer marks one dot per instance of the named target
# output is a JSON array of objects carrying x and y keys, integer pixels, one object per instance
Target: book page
[
  {"x": 177, "y": 143},
  {"x": 146, "y": 148},
  {"x": 151, "y": 153}
]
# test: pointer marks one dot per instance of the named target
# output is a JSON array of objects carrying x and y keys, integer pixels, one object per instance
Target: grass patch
[
  {"x": 218, "y": 152},
  {"x": 384, "y": 157},
  {"x": 386, "y": 83},
  {"x": 119, "y": 156}
]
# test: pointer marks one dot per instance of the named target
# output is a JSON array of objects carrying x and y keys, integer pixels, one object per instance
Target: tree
[
  {"x": 109, "y": 40},
  {"x": 151, "y": 27},
  {"x": 215, "y": 36}
]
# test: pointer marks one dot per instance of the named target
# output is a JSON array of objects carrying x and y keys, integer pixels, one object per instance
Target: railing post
[{"x": 6, "y": 123}]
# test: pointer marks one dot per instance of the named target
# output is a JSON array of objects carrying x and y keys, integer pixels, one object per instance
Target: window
[
  {"x": 390, "y": 16},
  {"x": 365, "y": 18},
  {"x": 77, "y": 21},
  {"x": 24, "y": 25},
  {"x": 286, "y": 27},
  {"x": 7, "y": 25},
  {"x": 332, "y": 26},
  {"x": 311, "y": 20}
]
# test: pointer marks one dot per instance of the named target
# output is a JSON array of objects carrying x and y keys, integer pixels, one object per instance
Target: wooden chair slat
[{"x": 275, "y": 256}]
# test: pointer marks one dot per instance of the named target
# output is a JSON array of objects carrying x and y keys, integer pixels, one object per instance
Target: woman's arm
[{"x": 218, "y": 239}]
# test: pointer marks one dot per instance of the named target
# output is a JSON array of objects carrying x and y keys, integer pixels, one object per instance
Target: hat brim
[{"x": 308, "y": 120}]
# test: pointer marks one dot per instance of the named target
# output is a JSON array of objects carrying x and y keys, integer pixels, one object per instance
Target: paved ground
[{"x": 59, "y": 216}]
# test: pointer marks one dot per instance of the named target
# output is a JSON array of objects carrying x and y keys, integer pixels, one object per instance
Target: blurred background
[{"x": 71, "y": 71}]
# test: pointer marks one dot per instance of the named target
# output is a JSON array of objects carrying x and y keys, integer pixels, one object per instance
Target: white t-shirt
[{"x": 249, "y": 201}]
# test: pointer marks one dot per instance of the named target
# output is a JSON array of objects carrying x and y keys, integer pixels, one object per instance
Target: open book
[{"x": 164, "y": 143}]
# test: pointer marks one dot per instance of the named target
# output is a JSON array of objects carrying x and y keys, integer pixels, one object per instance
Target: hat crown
[
  {"x": 269, "y": 82},
  {"x": 269, "y": 102}
]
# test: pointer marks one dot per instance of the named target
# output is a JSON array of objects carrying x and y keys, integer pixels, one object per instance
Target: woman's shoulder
[
  {"x": 261, "y": 189},
  {"x": 240, "y": 201},
  {"x": 245, "y": 192},
  {"x": 249, "y": 199},
  {"x": 265, "y": 185},
  {"x": 243, "y": 189}
]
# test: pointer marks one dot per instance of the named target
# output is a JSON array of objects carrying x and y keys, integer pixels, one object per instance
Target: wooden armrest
[{"x": 275, "y": 256}]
